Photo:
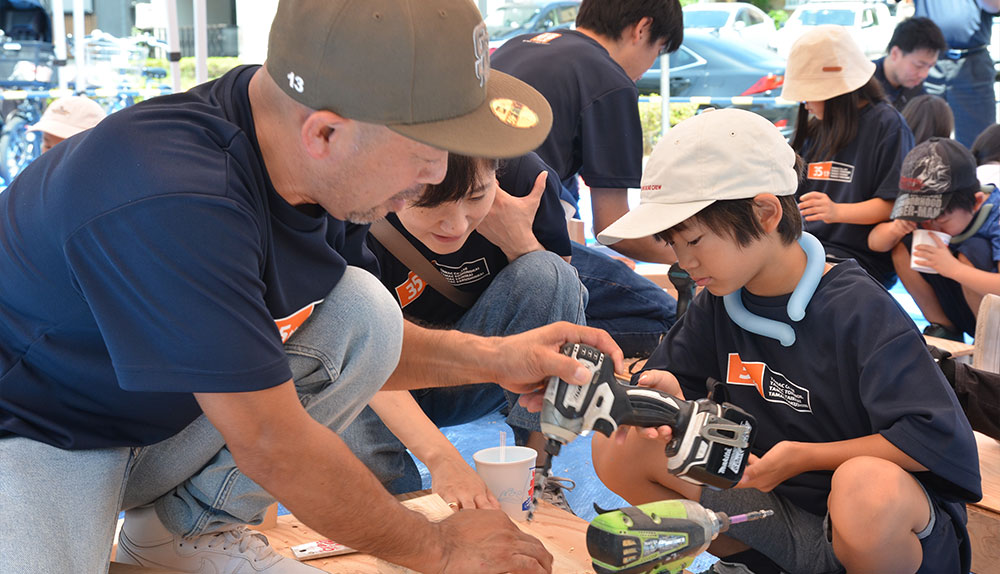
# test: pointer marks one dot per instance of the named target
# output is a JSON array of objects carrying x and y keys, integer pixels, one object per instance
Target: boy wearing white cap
[
  {"x": 66, "y": 117},
  {"x": 865, "y": 473},
  {"x": 853, "y": 142}
]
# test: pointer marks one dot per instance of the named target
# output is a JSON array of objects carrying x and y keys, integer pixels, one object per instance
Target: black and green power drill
[{"x": 657, "y": 538}]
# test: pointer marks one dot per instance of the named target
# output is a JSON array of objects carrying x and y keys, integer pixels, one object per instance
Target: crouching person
[
  {"x": 862, "y": 449},
  {"x": 470, "y": 256}
]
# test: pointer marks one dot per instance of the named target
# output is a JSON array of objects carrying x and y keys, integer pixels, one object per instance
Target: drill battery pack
[{"x": 713, "y": 448}]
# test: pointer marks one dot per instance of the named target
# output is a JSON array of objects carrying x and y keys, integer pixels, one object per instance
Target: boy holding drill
[{"x": 862, "y": 449}]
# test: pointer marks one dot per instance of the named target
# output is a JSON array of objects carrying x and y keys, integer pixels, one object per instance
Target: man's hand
[
  {"x": 776, "y": 466},
  {"x": 938, "y": 257},
  {"x": 508, "y": 224},
  {"x": 522, "y": 363},
  {"x": 486, "y": 541},
  {"x": 817, "y": 206},
  {"x": 459, "y": 485}
]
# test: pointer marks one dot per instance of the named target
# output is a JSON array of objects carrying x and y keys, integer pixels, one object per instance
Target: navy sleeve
[
  {"x": 192, "y": 318},
  {"x": 612, "y": 141},
  {"x": 887, "y": 154},
  {"x": 910, "y": 403},
  {"x": 517, "y": 177}
]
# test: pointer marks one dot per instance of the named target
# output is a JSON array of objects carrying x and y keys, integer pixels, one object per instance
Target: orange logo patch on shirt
[
  {"x": 740, "y": 373},
  {"x": 288, "y": 325},
  {"x": 409, "y": 290},
  {"x": 773, "y": 386},
  {"x": 544, "y": 38},
  {"x": 831, "y": 171}
]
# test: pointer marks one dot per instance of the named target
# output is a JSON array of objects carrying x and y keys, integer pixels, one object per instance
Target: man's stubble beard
[{"x": 376, "y": 213}]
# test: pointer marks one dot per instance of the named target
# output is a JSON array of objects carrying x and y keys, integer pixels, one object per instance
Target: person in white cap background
[
  {"x": 184, "y": 326},
  {"x": 852, "y": 140},
  {"x": 66, "y": 117},
  {"x": 862, "y": 449}
]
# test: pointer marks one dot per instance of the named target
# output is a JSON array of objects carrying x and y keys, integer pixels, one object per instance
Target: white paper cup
[
  {"x": 511, "y": 481},
  {"x": 923, "y": 237}
]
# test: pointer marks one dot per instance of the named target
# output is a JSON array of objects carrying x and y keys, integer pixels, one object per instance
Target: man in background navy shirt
[
  {"x": 588, "y": 76},
  {"x": 964, "y": 74},
  {"x": 910, "y": 56}
]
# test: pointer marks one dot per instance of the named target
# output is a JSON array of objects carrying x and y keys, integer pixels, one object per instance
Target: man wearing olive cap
[{"x": 207, "y": 264}]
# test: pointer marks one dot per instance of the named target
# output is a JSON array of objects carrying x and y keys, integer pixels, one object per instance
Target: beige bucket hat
[{"x": 825, "y": 63}]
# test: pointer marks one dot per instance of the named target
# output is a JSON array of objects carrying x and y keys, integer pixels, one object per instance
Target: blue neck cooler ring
[{"x": 797, "y": 302}]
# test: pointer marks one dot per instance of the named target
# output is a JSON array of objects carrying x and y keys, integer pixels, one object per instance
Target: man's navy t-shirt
[
  {"x": 474, "y": 266},
  {"x": 899, "y": 96},
  {"x": 866, "y": 168},
  {"x": 148, "y": 259},
  {"x": 596, "y": 131}
]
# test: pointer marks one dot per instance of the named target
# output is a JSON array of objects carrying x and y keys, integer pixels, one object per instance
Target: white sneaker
[{"x": 144, "y": 541}]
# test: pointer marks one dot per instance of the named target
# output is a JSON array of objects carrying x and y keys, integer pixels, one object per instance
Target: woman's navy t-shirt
[{"x": 474, "y": 266}]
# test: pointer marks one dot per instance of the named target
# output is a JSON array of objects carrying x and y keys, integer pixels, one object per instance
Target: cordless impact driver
[{"x": 710, "y": 443}]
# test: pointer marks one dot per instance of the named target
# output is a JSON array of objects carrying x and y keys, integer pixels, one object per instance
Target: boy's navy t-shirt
[
  {"x": 596, "y": 130},
  {"x": 866, "y": 168},
  {"x": 148, "y": 259},
  {"x": 474, "y": 266},
  {"x": 859, "y": 366}
]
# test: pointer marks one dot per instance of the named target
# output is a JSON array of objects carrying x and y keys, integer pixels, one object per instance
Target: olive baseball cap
[{"x": 419, "y": 67}]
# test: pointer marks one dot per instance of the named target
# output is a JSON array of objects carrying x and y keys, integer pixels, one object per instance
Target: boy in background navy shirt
[{"x": 861, "y": 449}]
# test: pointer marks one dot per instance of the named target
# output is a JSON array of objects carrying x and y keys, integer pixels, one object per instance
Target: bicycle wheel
[{"x": 18, "y": 147}]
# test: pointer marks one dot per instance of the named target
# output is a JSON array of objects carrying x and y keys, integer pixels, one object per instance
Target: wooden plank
[
  {"x": 989, "y": 470},
  {"x": 984, "y": 530},
  {"x": 563, "y": 534},
  {"x": 987, "y": 355},
  {"x": 956, "y": 348}
]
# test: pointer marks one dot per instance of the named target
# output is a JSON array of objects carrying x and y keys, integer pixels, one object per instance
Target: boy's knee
[{"x": 867, "y": 486}]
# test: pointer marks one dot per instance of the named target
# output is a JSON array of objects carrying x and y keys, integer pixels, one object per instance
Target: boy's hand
[
  {"x": 661, "y": 381},
  {"x": 776, "y": 466},
  {"x": 938, "y": 257},
  {"x": 903, "y": 227},
  {"x": 817, "y": 206}
]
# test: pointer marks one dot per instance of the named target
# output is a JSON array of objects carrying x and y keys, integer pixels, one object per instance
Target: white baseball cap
[
  {"x": 718, "y": 154},
  {"x": 824, "y": 63},
  {"x": 69, "y": 116}
]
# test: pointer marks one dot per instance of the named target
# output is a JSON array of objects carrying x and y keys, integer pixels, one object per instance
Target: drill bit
[
  {"x": 750, "y": 516},
  {"x": 552, "y": 448}
]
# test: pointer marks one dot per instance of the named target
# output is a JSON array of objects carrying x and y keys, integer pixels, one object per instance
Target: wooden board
[
  {"x": 989, "y": 470},
  {"x": 984, "y": 527},
  {"x": 988, "y": 335},
  {"x": 956, "y": 348},
  {"x": 563, "y": 534}
]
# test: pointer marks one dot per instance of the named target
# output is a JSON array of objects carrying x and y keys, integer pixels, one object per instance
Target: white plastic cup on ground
[
  {"x": 510, "y": 481},
  {"x": 923, "y": 237}
]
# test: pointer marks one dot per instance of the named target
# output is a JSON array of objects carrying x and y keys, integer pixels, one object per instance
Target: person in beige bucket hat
[
  {"x": 188, "y": 317},
  {"x": 66, "y": 117},
  {"x": 853, "y": 141}
]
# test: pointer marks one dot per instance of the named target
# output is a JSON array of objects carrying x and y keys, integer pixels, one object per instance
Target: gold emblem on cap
[{"x": 514, "y": 114}]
